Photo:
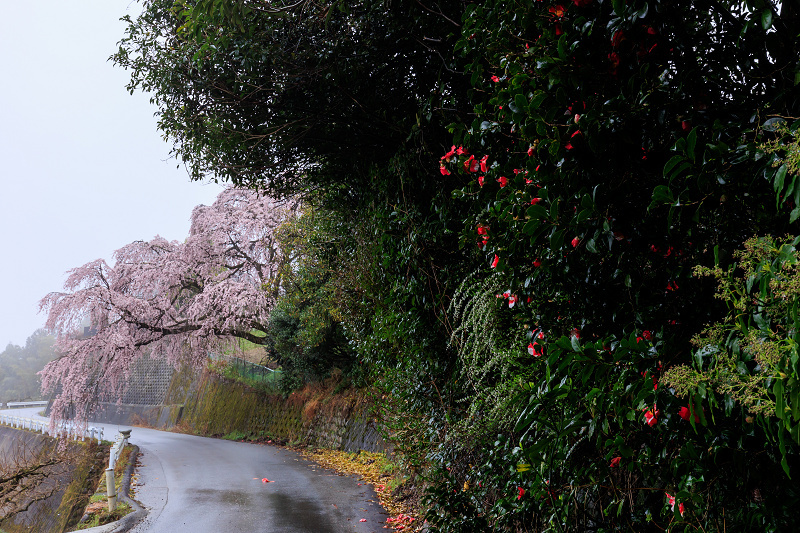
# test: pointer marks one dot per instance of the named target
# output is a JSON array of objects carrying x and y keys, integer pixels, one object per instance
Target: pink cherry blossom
[{"x": 173, "y": 300}]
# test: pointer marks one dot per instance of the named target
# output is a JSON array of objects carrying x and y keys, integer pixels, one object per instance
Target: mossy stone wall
[
  {"x": 62, "y": 510},
  {"x": 217, "y": 406}
]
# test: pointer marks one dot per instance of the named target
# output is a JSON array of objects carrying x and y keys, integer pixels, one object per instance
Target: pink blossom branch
[{"x": 166, "y": 299}]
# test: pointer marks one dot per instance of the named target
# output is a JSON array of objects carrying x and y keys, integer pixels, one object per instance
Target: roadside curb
[{"x": 128, "y": 521}]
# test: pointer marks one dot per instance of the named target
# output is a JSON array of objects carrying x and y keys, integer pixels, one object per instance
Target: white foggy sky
[{"x": 83, "y": 169}]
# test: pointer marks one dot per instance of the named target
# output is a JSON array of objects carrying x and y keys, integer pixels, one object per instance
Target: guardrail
[
  {"x": 22, "y": 405},
  {"x": 248, "y": 370},
  {"x": 65, "y": 428},
  {"x": 113, "y": 457}
]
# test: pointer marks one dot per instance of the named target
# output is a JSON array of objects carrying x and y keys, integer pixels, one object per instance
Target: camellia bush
[
  {"x": 615, "y": 147},
  {"x": 522, "y": 195}
]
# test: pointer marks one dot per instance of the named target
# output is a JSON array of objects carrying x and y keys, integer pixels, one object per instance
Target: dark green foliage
[
  {"x": 312, "y": 98},
  {"x": 622, "y": 150},
  {"x": 607, "y": 148}
]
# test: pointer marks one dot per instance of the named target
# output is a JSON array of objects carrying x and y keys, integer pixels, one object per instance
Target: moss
[
  {"x": 319, "y": 413},
  {"x": 91, "y": 464}
]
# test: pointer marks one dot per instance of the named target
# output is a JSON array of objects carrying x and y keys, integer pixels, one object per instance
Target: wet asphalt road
[{"x": 194, "y": 484}]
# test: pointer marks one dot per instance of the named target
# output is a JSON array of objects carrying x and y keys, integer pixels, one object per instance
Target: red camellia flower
[
  {"x": 444, "y": 171},
  {"x": 557, "y": 10},
  {"x": 530, "y": 151},
  {"x": 614, "y": 58},
  {"x": 462, "y": 151},
  {"x": 480, "y": 180},
  {"x": 671, "y": 500},
  {"x": 533, "y": 349},
  {"x": 575, "y": 242},
  {"x": 450, "y": 154},
  {"x": 471, "y": 164},
  {"x": 535, "y": 201},
  {"x": 651, "y": 417},
  {"x": 512, "y": 300},
  {"x": 615, "y": 462},
  {"x": 617, "y": 38},
  {"x": 685, "y": 414},
  {"x": 647, "y": 335},
  {"x": 521, "y": 493},
  {"x": 483, "y": 230},
  {"x": 495, "y": 79},
  {"x": 581, "y": 3},
  {"x": 495, "y": 261},
  {"x": 503, "y": 181},
  {"x": 484, "y": 160},
  {"x": 576, "y": 135},
  {"x": 537, "y": 263}
]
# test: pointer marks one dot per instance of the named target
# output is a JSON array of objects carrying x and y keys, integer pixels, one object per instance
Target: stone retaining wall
[
  {"x": 73, "y": 479},
  {"x": 219, "y": 407},
  {"x": 212, "y": 405}
]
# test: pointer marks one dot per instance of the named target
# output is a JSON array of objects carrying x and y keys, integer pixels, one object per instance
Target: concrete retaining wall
[
  {"x": 212, "y": 405},
  {"x": 71, "y": 478}
]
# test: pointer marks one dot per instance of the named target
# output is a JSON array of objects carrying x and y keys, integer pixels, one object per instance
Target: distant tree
[
  {"x": 19, "y": 367},
  {"x": 168, "y": 299}
]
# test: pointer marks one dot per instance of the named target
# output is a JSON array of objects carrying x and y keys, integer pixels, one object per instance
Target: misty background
[{"x": 84, "y": 170}]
